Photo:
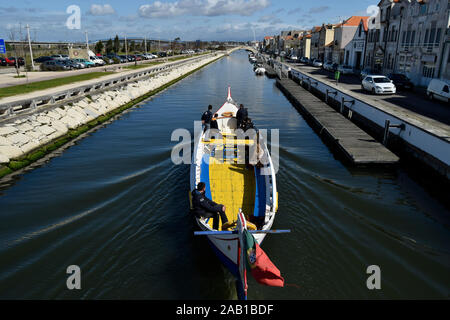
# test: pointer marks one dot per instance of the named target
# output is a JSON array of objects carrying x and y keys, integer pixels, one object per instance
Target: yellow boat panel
[{"x": 233, "y": 186}]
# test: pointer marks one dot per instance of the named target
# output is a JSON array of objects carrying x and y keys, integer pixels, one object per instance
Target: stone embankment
[{"x": 26, "y": 138}]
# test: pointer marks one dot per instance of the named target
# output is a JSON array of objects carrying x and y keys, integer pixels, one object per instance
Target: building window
[
  {"x": 432, "y": 34},
  {"x": 425, "y": 40},
  {"x": 428, "y": 72},
  {"x": 423, "y": 9},
  {"x": 438, "y": 37},
  {"x": 413, "y": 37}
]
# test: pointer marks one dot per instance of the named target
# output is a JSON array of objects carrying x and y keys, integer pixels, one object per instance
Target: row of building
[{"x": 406, "y": 36}]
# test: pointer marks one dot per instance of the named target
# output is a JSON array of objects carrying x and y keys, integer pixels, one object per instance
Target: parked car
[
  {"x": 304, "y": 60},
  {"x": 20, "y": 61},
  {"x": 401, "y": 81},
  {"x": 86, "y": 63},
  {"x": 75, "y": 64},
  {"x": 345, "y": 69},
  {"x": 97, "y": 61},
  {"x": 378, "y": 85},
  {"x": 123, "y": 58},
  {"x": 105, "y": 59},
  {"x": 7, "y": 62},
  {"x": 42, "y": 59},
  {"x": 293, "y": 58},
  {"x": 54, "y": 65},
  {"x": 328, "y": 66},
  {"x": 439, "y": 89},
  {"x": 60, "y": 57},
  {"x": 366, "y": 71},
  {"x": 317, "y": 63}
]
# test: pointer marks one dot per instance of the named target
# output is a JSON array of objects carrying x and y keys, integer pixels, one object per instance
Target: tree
[
  {"x": 132, "y": 46},
  {"x": 109, "y": 46},
  {"x": 116, "y": 44},
  {"x": 99, "y": 47}
]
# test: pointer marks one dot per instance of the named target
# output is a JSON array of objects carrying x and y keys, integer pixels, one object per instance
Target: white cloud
[
  {"x": 319, "y": 9},
  {"x": 160, "y": 9},
  {"x": 101, "y": 10}
]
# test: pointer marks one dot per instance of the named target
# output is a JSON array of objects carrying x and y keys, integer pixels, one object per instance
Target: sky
[{"x": 222, "y": 20}]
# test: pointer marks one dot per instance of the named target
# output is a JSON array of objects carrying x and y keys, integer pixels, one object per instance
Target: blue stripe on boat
[
  {"x": 204, "y": 174},
  {"x": 260, "y": 194}
]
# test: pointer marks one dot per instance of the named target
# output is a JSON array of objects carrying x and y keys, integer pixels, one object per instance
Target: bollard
[
  {"x": 328, "y": 92},
  {"x": 343, "y": 101},
  {"x": 387, "y": 126}
]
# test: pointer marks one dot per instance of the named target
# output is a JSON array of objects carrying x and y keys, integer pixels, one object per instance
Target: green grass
[{"x": 41, "y": 85}]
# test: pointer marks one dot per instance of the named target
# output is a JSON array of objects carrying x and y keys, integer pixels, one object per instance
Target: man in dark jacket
[
  {"x": 204, "y": 207},
  {"x": 214, "y": 124},
  {"x": 241, "y": 115},
  {"x": 206, "y": 121}
]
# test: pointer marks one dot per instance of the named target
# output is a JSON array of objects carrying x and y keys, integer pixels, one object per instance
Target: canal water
[{"x": 115, "y": 205}]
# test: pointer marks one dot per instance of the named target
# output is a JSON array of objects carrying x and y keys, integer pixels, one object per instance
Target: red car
[
  {"x": 6, "y": 62},
  {"x": 20, "y": 60}
]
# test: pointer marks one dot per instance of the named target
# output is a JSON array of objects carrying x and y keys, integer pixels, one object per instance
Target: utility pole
[
  {"x": 87, "y": 43},
  {"x": 145, "y": 44},
  {"x": 126, "y": 48},
  {"x": 29, "y": 44}
]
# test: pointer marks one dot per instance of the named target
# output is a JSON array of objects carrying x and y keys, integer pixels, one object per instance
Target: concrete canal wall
[
  {"x": 31, "y": 128},
  {"x": 413, "y": 137}
]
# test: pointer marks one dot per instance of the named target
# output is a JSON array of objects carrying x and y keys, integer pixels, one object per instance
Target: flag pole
[
  {"x": 210, "y": 233},
  {"x": 241, "y": 226}
]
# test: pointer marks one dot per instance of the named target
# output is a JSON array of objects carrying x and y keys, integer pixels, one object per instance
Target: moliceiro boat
[{"x": 238, "y": 172}]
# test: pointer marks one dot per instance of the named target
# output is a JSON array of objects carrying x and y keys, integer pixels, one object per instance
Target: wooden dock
[{"x": 359, "y": 148}]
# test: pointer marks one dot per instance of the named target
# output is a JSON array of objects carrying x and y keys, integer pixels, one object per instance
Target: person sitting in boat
[
  {"x": 206, "y": 208},
  {"x": 241, "y": 115},
  {"x": 206, "y": 121},
  {"x": 248, "y": 124},
  {"x": 214, "y": 124}
]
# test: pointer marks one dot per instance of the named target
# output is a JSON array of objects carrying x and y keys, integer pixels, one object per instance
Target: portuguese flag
[{"x": 259, "y": 264}]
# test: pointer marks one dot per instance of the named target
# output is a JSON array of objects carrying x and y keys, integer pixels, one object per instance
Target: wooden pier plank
[{"x": 357, "y": 146}]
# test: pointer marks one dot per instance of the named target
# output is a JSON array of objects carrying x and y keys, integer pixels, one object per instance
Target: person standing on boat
[
  {"x": 241, "y": 115},
  {"x": 204, "y": 207},
  {"x": 206, "y": 121},
  {"x": 214, "y": 124}
]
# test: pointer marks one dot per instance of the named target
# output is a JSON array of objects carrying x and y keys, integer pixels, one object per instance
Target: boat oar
[{"x": 210, "y": 233}]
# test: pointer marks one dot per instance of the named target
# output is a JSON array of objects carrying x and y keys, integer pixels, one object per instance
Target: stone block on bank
[
  {"x": 11, "y": 151},
  {"x": 70, "y": 122},
  {"x": 46, "y": 130},
  {"x": 5, "y": 141},
  {"x": 33, "y": 144},
  {"x": 59, "y": 126},
  {"x": 54, "y": 115},
  {"x": 43, "y": 119},
  {"x": 35, "y": 134},
  {"x": 3, "y": 158},
  {"x": 7, "y": 130},
  {"x": 26, "y": 126},
  {"x": 19, "y": 138},
  {"x": 61, "y": 111}
]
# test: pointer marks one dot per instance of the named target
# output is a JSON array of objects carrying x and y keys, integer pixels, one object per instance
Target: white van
[{"x": 439, "y": 89}]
